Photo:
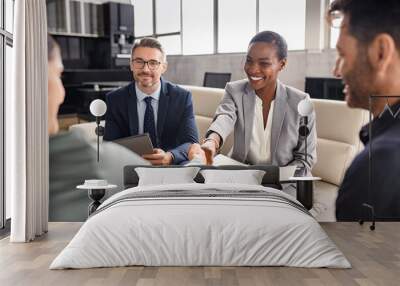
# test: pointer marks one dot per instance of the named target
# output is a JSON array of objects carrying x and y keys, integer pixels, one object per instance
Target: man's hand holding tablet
[
  {"x": 159, "y": 157},
  {"x": 141, "y": 145}
]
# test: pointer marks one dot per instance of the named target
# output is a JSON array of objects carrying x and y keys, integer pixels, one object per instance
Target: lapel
[
  {"x": 249, "y": 101},
  {"x": 162, "y": 108},
  {"x": 278, "y": 116},
  {"x": 132, "y": 110}
]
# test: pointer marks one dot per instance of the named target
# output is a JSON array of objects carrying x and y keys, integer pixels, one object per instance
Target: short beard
[{"x": 360, "y": 80}]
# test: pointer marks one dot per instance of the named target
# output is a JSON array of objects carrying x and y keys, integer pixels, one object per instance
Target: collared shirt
[
  {"x": 379, "y": 124},
  {"x": 141, "y": 106},
  {"x": 260, "y": 142},
  {"x": 382, "y": 189}
]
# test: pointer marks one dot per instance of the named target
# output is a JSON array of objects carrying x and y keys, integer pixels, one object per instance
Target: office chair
[{"x": 214, "y": 79}]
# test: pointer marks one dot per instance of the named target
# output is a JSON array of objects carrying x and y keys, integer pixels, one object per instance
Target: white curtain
[{"x": 26, "y": 128}]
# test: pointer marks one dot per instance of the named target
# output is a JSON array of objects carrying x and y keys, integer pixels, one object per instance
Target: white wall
[{"x": 190, "y": 69}]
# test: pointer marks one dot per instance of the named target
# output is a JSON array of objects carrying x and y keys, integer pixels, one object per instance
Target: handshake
[{"x": 204, "y": 152}]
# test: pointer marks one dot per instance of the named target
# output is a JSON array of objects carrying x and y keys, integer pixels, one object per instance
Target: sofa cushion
[
  {"x": 87, "y": 129},
  {"x": 336, "y": 121},
  {"x": 202, "y": 122},
  {"x": 333, "y": 159},
  {"x": 205, "y": 99},
  {"x": 338, "y": 142}
]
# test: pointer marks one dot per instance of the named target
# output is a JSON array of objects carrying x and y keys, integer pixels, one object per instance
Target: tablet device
[{"x": 140, "y": 144}]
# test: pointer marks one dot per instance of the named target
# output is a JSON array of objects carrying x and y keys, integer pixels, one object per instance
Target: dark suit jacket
[
  {"x": 385, "y": 188},
  {"x": 71, "y": 161},
  {"x": 176, "y": 127}
]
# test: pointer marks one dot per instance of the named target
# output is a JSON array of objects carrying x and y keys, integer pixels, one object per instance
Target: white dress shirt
[
  {"x": 141, "y": 106},
  {"x": 260, "y": 142}
]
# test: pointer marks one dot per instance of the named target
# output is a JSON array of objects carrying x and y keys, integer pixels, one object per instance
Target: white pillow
[
  {"x": 248, "y": 177},
  {"x": 165, "y": 176}
]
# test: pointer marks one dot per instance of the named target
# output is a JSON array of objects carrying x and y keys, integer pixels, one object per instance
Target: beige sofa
[
  {"x": 205, "y": 103},
  {"x": 338, "y": 143}
]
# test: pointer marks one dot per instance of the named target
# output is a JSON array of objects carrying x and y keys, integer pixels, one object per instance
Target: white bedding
[{"x": 183, "y": 231}]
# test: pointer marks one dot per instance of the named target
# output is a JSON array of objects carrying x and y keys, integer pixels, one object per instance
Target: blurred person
[
  {"x": 71, "y": 158},
  {"x": 369, "y": 64}
]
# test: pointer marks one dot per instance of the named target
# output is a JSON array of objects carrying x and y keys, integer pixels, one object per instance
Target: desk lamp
[
  {"x": 98, "y": 108},
  {"x": 305, "y": 108}
]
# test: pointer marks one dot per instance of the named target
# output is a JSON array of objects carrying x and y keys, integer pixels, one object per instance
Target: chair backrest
[
  {"x": 215, "y": 79},
  {"x": 205, "y": 103},
  {"x": 88, "y": 130},
  {"x": 338, "y": 142}
]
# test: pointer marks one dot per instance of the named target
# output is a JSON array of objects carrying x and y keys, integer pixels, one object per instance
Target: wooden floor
[{"x": 375, "y": 257}]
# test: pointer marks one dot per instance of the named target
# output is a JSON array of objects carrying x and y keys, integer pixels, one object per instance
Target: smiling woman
[{"x": 262, "y": 111}]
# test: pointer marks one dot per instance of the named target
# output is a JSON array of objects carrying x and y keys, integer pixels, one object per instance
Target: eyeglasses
[{"x": 140, "y": 63}]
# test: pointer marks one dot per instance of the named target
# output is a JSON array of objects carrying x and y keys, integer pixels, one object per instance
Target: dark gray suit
[
  {"x": 72, "y": 161},
  {"x": 236, "y": 113}
]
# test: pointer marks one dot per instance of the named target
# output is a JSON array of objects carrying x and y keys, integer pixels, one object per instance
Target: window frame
[
  {"x": 157, "y": 35},
  {"x": 214, "y": 17},
  {"x": 324, "y": 26},
  {"x": 329, "y": 30},
  {"x": 6, "y": 39},
  {"x": 256, "y": 22}
]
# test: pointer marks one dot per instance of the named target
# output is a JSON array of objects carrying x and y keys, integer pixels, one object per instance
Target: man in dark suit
[
  {"x": 369, "y": 64},
  {"x": 152, "y": 105}
]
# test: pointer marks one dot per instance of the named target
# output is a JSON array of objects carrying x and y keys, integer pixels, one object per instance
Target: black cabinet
[
  {"x": 99, "y": 36},
  {"x": 56, "y": 16},
  {"x": 119, "y": 26},
  {"x": 325, "y": 88},
  {"x": 83, "y": 86}
]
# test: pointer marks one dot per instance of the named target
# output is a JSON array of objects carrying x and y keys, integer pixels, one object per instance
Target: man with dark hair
[
  {"x": 369, "y": 64},
  {"x": 152, "y": 105}
]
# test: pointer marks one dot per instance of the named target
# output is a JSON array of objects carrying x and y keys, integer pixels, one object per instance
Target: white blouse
[{"x": 260, "y": 142}]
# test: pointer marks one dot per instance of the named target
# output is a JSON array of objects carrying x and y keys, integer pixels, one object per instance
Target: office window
[
  {"x": 334, "y": 37},
  {"x": 198, "y": 27},
  {"x": 168, "y": 16},
  {"x": 286, "y": 17},
  {"x": 56, "y": 16},
  {"x": 236, "y": 25},
  {"x": 143, "y": 17},
  {"x": 171, "y": 44},
  {"x": 75, "y": 16},
  {"x": 6, "y": 65},
  {"x": 94, "y": 19},
  {"x": 334, "y": 32},
  {"x": 8, "y": 89}
]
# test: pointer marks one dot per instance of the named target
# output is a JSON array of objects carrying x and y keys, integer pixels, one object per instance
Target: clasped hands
[{"x": 204, "y": 152}]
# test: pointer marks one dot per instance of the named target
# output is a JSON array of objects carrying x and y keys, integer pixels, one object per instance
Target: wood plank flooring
[{"x": 375, "y": 257}]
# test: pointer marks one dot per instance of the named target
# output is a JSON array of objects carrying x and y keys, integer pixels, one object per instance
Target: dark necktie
[{"x": 149, "y": 125}]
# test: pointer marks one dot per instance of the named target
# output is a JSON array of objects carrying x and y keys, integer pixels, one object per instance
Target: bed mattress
[{"x": 201, "y": 225}]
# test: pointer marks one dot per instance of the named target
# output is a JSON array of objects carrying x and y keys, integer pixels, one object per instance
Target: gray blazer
[{"x": 236, "y": 113}]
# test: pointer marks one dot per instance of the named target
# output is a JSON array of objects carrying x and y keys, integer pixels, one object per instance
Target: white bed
[{"x": 225, "y": 225}]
